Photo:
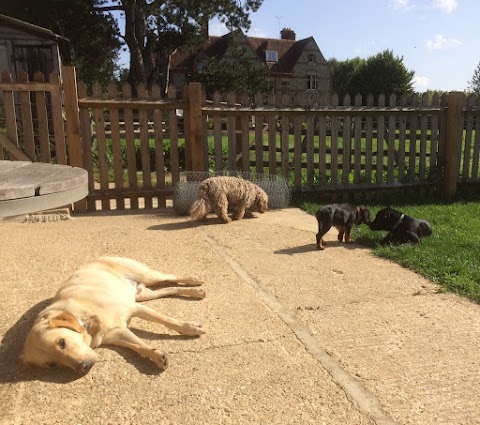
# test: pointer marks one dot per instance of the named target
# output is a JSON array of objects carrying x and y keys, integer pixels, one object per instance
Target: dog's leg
[
  {"x": 185, "y": 328},
  {"x": 348, "y": 230},
  {"x": 323, "y": 228},
  {"x": 389, "y": 238},
  {"x": 412, "y": 237},
  {"x": 341, "y": 232},
  {"x": 147, "y": 294},
  {"x": 221, "y": 209},
  {"x": 124, "y": 337},
  {"x": 238, "y": 213},
  {"x": 141, "y": 273}
]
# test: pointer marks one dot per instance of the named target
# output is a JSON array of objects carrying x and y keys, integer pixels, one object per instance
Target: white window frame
[
  {"x": 312, "y": 82},
  {"x": 271, "y": 56}
]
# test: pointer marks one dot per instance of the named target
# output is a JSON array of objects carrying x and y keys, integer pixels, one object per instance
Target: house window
[
  {"x": 311, "y": 59},
  {"x": 271, "y": 56},
  {"x": 312, "y": 82}
]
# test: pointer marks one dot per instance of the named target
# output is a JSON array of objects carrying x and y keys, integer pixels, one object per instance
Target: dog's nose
[{"x": 83, "y": 368}]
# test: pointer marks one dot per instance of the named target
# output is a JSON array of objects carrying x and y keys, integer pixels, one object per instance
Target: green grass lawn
[{"x": 450, "y": 257}]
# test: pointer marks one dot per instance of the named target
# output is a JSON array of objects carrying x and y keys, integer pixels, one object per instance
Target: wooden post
[
  {"x": 453, "y": 140},
  {"x": 196, "y": 127},
  {"x": 75, "y": 151}
]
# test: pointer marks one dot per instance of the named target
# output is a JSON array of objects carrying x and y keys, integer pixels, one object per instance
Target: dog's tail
[{"x": 201, "y": 207}]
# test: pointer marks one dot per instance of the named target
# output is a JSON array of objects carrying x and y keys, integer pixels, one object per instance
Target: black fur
[
  {"x": 341, "y": 216},
  {"x": 401, "y": 229}
]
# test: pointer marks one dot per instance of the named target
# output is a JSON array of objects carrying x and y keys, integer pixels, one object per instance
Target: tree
[
  {"x": 343, "y": 74},
  {"x": 384, "y": 73},
  {"x": 93, "y": 44},
  {"x": 154, "y": 29},
  {"x": 474, "y": 85},
  {"x": 381, "y": 73},
  {"x": 235, "y": 72}
]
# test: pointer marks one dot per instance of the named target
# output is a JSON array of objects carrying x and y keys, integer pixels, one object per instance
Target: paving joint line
[{"x": 361, "y": 397}]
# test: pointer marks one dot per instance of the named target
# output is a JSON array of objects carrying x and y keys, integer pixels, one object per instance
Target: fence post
[
  {"x": 75, "y": 151},
  {"x": 196, "y": 126},
  {"x": 453, "y": 141}
]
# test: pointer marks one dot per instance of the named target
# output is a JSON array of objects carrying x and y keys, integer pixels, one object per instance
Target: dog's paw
[
  {"x": 194, "y": 293},
  {"x": 159, "y": 358},
  {"x": 190, "y": 281},
  {"x": 192, "y": 329}
]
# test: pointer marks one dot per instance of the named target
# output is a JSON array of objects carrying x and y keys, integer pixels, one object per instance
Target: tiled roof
[{"x": 289, "y": 52}]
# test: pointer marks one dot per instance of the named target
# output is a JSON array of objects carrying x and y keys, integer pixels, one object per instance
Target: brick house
[{"x": 295, "y": 66}]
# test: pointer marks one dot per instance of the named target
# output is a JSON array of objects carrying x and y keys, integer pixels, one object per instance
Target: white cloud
[
  {"x": 401, "y": 4},
  {"x": 421, "y": 83},
  {"x": 216, "y": 27},
  {"x": 447, "y": 6},
  {"x": 441, "y": 42}
]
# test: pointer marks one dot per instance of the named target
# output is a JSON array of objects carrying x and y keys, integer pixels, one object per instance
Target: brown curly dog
[{"x": 219, "y": 194}]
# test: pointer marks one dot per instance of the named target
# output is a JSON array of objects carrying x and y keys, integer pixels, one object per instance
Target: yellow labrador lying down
[{"x": 95, "y": 306}]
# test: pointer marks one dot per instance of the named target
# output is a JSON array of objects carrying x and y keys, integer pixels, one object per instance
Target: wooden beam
[{"x": 12, "y": 148}]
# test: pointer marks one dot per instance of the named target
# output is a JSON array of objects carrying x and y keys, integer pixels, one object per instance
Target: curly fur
[{"x": 219, "y": 194}]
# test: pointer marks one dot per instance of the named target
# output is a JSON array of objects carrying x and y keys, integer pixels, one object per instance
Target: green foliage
[
  {"x": 381, "y": 73},
  {"x": 240, "y": 74},
  {"x": 93, "y": 44},
  {"x": 343, "y": 74},
  {"x": 474, "y": 85}
]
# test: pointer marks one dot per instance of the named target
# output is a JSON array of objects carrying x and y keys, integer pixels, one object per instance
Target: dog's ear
[{"x": 66, "y": 320}]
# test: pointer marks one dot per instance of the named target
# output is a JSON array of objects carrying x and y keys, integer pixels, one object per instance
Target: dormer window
[{"x": 271, "y": 56}]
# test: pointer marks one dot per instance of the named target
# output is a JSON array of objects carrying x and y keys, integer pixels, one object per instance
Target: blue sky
[{"x": 438, "y": 39}]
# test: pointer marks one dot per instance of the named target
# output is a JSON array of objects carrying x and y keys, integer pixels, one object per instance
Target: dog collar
[{"x": 398, "y": 222}]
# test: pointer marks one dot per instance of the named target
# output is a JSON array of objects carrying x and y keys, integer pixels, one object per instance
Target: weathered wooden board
[{"x": 32, "y": 185}]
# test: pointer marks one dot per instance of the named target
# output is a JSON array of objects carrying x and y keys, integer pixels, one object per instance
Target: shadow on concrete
[{"x": 329, "y": 245}]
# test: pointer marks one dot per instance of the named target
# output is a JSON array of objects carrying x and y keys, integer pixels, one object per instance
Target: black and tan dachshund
[
  {"x": 401, "y": 227},
  {"x": 341, "y": 216}
]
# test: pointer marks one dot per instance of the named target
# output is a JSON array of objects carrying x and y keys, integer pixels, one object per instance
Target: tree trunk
[{"x": 135, "y": 39}]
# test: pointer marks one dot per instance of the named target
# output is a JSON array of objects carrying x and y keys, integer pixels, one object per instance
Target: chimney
[{"x": 287, "y": 34}]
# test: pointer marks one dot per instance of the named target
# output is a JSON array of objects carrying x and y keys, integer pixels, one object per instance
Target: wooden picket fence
[
  {"x": 136, "y": 149},
  {"x": 319, "y": 143}
]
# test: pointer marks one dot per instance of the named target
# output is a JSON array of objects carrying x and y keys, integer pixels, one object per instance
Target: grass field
[{"x": 450, "y": 257}]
